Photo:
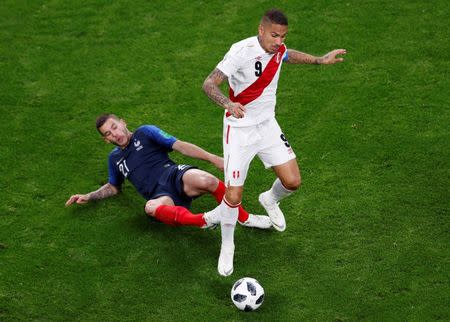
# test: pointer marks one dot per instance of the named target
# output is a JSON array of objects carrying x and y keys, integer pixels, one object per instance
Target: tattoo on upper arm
[
  {"x": 211, "y": 87},
  {"x": 217, "y": 76}
]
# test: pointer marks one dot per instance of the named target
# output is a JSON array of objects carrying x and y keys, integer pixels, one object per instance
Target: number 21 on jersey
[{"x": 123, "y": 168}]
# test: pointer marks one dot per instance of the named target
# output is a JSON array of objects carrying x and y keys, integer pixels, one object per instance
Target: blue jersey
[{"x": 143, "y": 161}]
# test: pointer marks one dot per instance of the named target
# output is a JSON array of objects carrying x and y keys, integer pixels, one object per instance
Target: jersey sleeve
[
  {"x": 229, "y": 64},
  {"x": 114, "y": 176},
  {"x": 160, "y": 137},
  {"x": 286, "y": 55}
]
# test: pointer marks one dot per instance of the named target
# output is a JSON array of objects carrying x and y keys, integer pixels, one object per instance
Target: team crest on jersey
[{"x": 137, "y": 145}]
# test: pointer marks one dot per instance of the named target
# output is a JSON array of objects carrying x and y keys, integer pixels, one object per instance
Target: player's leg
[
  {"x": 198, "y": 182},
  {"x": 152, "y": 204},
  {"x": 289, "y": 178},
  {"x": 280, "y": 157},
  {"x": 164, "y": 209},
  {"x": 237, "y": 158},
  {"x": 244, "y": 218}
]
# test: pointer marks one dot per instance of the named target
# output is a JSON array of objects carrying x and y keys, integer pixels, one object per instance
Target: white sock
[
  {"x": 278, "y": 191},
  {"x": 228, "y": 218}
]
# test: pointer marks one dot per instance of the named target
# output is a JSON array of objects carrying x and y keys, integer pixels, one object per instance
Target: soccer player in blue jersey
[{"x": 142, "y": 158}]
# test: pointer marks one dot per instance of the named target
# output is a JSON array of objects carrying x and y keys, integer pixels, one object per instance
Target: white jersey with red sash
[{"x": 253, "y": 79}]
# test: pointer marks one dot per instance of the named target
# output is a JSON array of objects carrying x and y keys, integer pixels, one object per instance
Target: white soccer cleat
[
  {"x": 274, "y": 212},
  {"x": 257, "y": 221},
  {"x": 225, "y": 264},
  {"x": 212, "y": 219}
]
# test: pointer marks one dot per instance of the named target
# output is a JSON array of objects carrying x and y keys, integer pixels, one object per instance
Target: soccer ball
[{"x": 247, "y": 294}]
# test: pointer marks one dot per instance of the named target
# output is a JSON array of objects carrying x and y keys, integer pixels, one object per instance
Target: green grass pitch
[{"x": 368, "y": 234}]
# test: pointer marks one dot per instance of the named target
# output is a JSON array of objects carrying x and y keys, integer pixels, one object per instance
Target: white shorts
[{"x": 242, "y": 144}]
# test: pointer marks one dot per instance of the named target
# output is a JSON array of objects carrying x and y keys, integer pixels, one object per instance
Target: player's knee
[
  {"x": 150, "y": 208},
  {"x": 233, "y": 197},
  {"x": 208, "y": 182},
  {"x": 292, "y": 183}
]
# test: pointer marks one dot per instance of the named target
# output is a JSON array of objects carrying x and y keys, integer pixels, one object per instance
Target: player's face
[
  {"x": 271, "y": 36},
  {"x": 115, "y": 132}
]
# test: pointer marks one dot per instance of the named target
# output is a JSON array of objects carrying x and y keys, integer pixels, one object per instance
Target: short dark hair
[
  {"x": 102, "y": 119},
  {"x": 275, "y": 16}
]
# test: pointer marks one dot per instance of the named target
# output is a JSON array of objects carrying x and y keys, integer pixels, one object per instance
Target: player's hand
[
  {"x": 237, "y": 110},
  {"x": 79, "y": 199},
  {"x": 331, "y": 58},
  {"x": 217, "y": 162}
]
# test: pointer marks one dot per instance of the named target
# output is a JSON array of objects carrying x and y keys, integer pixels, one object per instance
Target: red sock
[
  {"x": 243, "y": 215},
  {"x": 178, "y": 216},
  {"x": 220, "y": 192},
  {"x": 218, "y": 195}
]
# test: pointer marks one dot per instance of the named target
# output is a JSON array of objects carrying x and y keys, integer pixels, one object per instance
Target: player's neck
[{"x": 260, "y": 43}]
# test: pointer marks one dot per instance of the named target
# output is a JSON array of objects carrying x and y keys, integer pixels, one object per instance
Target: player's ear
[{"x": 260, "y": 29}]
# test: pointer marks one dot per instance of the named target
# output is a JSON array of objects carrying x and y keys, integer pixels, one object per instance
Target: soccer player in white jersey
[{"x": 252, "y": 68}]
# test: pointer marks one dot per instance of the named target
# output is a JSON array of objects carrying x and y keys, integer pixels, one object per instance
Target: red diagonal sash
[{"x": 255, "y": 90}]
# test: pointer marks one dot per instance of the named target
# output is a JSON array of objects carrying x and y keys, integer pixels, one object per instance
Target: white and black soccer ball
[{"x": 247, "y": 294}]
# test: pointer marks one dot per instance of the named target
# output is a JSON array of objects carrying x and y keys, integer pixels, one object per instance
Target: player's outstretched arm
[
  {"x": 212, "y": 90},
  {"x": 297, "y": 57},
  {"x": 194, "y": 151},
  {"x": 105, "y": 191}
]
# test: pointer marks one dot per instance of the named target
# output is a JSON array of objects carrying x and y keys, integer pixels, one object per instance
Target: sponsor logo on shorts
[{"x": 236, "y": 174}]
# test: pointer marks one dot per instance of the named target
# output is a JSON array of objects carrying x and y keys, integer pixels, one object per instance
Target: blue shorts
[{"x": 171, "y": 184}]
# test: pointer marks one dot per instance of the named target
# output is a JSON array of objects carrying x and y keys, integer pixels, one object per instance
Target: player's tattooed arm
[
  {"x": 105, "y": 191},
  {"x": 212, "y": 90},
  {"x": 297, "y": 57}
]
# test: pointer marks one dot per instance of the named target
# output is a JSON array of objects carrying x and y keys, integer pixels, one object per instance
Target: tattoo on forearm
[
  {"x": 212, "y": 90},
  {"x": 297, "y": 57},
  {"x": 103, "y": 192}
]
